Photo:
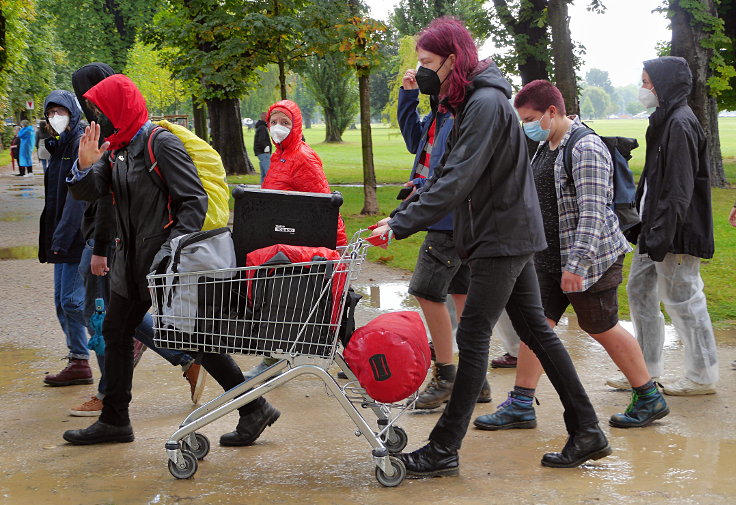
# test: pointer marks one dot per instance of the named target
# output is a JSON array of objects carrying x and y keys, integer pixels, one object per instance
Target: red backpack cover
[{"x": 390, "y": 356}]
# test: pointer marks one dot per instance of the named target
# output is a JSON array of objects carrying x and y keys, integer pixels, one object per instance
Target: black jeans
[
  {"x": 123, "y": 316},
  {"x": 509, "y": 282}
]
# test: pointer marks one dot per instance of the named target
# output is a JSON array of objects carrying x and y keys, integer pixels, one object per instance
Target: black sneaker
[
  {"x": 99, "y": 433},
  {"x": 432, "y": 460}
]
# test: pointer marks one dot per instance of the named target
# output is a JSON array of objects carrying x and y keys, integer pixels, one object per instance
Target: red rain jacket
[{"x": 295, "y": 166}]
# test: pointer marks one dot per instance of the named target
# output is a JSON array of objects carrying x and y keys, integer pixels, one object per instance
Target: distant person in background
[
  {"x": 27, "y": 137},
  {"x": 14, "y": 145},
  {"x": 262, "y": 145},
  {"x": 43, "y": 154}
]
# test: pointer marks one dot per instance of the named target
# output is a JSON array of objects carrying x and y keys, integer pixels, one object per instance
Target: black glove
[{"x": 161, "y": 260}]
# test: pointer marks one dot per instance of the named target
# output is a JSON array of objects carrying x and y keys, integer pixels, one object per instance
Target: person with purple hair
[{"x": 486, "y": 180}]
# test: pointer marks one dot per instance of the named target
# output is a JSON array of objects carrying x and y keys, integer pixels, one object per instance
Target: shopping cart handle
[
  {"x": 379, "y": 240},
  {"x": 373, "y": 227}
]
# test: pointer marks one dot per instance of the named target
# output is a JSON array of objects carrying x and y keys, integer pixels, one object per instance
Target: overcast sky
[{"x": 617, "y": 41}]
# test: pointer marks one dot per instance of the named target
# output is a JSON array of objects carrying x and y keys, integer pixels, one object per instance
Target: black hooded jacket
[
  {"x": 677, "y": 216},
  {"x": 485, "y": 179},
  {"x": 60, "y": 239},
  {"x": 262, "y": 139},
  {"x": 99, "y": 218}
]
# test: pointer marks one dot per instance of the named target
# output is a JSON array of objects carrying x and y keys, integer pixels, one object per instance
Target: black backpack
[{"x": 624, "y": 189}]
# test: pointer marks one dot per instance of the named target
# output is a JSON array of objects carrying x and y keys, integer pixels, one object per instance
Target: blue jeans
[
  {"x": 43, "y": 164},
  {"x": 98, "y": 286},
  {"x": 265, "y": 161},
  {"x": 69, "y": 302}
]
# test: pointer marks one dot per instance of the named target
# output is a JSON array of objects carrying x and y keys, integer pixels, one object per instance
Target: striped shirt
[{"x": 590, "y": 237}]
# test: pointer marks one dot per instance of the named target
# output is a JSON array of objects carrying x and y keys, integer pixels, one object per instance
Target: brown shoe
[
  {"x": 485, "y": 392},
  {"x": 76, "y": 372},
  {"x": 505, "y": 361},
  {"x": 90, "y": 408},
  {"x": 196, "y": 376},
  {"x": 439, "y": 389}
]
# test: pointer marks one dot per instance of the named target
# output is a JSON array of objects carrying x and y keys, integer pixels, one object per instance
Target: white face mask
[
  {"x": 647, "y": 98},
  {"x": 59, "y": 123},
  {"x": 279, "y": 133}
]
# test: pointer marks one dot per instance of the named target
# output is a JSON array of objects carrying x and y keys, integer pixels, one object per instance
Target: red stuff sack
[{"x": 390, "y": 356}]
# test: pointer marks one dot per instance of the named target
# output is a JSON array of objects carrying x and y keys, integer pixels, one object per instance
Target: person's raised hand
[
  {"x": 89, "y": 149},
  {"x": 409, "y": 80}
]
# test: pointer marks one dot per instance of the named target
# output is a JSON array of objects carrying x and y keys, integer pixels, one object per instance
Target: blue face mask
[{"x": 534, "y": 130}]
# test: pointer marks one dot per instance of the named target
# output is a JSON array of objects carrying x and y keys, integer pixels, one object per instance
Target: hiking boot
[
  {"x": 90, "y": 408},
  {"x": 515, "y": 412},
  {"x": 100, "y": 433},
  {"x": 439, "y": 389},
  {"x": 251, "y": 426},
  {"x": 505, "y": 361},
  {"x": 485, "y": 393},
  {"x": 196, "y": 376},
  {"x": 138, "y": 350},
  {"x": 432, "y": 460},
  {"x": 584, "y": 444},
  {"x": 260, "y": 367},
  {"x": 76, "y": 372},
  {"x": 621, "y": 382},
  {"x": 687, "y": 387},
  {"x": 643, "y": 410}
]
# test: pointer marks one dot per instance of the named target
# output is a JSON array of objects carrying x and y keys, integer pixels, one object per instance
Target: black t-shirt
[{"x": 543, "y": 167}]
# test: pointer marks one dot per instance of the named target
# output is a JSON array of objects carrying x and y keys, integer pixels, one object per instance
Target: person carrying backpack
[
  {"x": 583, "y": 262},
  {"x": 144, "y": 232}
]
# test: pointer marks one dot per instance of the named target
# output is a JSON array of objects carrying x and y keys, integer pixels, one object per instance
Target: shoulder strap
[
  {"x": 567, "y": 153},
  {"x": 160, "y": 181}
]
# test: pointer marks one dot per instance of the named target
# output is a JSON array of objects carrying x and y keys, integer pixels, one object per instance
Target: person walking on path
[
  {"x": 27, "y": 137},
  {"x": 582, "y": 265},
  {"x": 676, "y": 231},
  {"x": 262, "y": 145},
  {"x": 144, "y": 230},
  {"x": 98, "y": 227},
  {"x": 486, "y": 180},
  {"x": 43, "y": 154},
  {"x": 60, "y": 237}
]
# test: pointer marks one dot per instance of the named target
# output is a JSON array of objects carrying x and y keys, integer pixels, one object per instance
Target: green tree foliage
[
  {"x": 159, "y": 89},
  {"x": 264, "y": 93},
  {"x": 407, "y": 58},
  {"x": 409, "y": 17},
  {"x": 15, "y": 19},
  {"x": 599, "y": 99},
  {"x": 587, "y": 111},
  {"x": 332, "y": 85},
  {"x": 600, "y": 78}
]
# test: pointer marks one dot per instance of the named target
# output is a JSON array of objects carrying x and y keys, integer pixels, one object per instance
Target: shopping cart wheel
[
  {"x": 398, "y": 476},
  {"x": 396, "y": 440},
  {"x": 203, "y": 446},
  {"x": 186, "y": 468}
]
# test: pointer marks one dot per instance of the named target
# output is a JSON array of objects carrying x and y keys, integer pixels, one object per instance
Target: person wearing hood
[
  {"x": 262, "y": 145},
  {"x": 27, "y": 137},
  {"x": 486, "y": 180},
  {"x": 98, "y": 227},
  {"x": 144, "y": 231},
  {"x": 60, "y": 237},
  {"x": 676, "y": 231}
]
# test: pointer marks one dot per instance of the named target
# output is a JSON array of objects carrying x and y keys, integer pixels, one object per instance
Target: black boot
[
  {"x": 99, "y": 433},
  {"x": 432, "y": 460},
  {"x": 250, "y": 426},
  {"x": 584, "y": 444}
]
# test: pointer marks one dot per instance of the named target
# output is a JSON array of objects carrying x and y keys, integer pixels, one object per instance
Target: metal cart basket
[{"x": 292, "y": 312}]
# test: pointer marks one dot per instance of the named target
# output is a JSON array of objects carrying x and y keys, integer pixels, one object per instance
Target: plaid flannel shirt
[{"x": 590, "y": 237}]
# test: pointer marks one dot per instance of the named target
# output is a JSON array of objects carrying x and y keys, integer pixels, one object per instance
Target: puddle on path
[{"x": 21, "y": 252}]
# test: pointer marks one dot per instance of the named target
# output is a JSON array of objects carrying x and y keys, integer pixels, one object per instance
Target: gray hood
[{"x": 490, "y": 77}]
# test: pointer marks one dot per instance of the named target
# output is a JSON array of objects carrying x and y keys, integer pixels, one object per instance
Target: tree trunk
[
  {"x": 227, "y": 135},
  {"x": 370, "y": 202},
  {"x": 687, "y": 36},
  {"x": 332, "y": 132},
  {"x": 200, "y": 120},
  {"x": 562, "y": 55},
  {"x": 282, "y": 78}
]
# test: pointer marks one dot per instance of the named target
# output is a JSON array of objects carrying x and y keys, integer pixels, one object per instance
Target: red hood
[
  {"x": 294, "y": 139},
  {"x": 123, "y": 104}
]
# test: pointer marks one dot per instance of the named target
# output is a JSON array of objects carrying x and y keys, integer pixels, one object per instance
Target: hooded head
[
  {"x": 291, "y": 110},
  {"x": 84, "y": 79},
  {"x": 66, "y": 99},
  {"x": 122, "y": 102},
  {"x": 24, "y": 123},
  {"x": 672, "y": 81}
]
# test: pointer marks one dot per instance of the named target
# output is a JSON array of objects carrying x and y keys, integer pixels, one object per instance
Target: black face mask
[
  {"x": 106, "y": 127},
  {"x": 428, "y": 81}
]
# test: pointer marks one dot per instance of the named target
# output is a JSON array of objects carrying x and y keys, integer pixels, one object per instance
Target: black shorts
[
  {"x": 439, "y": 270},
  {"x": 596, "y": 308}
]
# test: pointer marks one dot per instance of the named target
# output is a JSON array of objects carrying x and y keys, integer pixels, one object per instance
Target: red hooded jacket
[
  {"x": 295, "y": 166},
  {"x": 123, "y": 104}
]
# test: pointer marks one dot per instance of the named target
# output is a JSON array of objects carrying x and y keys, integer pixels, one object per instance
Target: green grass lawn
[
  {"x": 342, "y": 163},
  {"x": 4, "y": 157}
]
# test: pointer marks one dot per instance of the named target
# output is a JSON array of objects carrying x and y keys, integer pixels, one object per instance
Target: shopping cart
[{"x": 292, "y": 312}]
